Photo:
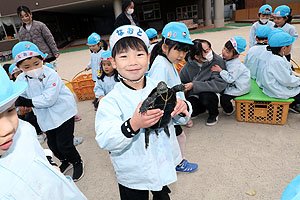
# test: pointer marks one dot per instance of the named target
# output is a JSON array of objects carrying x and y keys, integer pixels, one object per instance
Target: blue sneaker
[{"x": 186, "y": 166}]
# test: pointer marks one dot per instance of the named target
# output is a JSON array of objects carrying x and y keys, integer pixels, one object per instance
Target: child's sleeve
[
  {"x": 293, "y": 32},
  {"x": 98, "y": 89},
  {"x": 22, "y": 78},
  {"x": 284, "y": 76},
  {"x": 182, "y": 120},
  {"x": 50, "y": 93},
  {"x": 231, "y": 76},
  {"x": 252, "y": 36},
  {"x": 108, "y": 126}
]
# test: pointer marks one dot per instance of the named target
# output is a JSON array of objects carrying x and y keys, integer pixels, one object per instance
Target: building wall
[
  {"x": 254, "y": 3},
  {"x": 11, "y": 7},
  {"x": 277, "y": 2}
]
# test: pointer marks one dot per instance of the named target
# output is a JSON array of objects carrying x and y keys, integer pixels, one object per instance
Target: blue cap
[
  {"x": 292, "y": 191},
  {"x": 106, "y": 55},
  {"x": 9, "y": 90},
  {"x": 239, "y": 44},
  {"x": 151, "y": 33},
  {"x": 265, "y": 9},
  {"x": 178, "y": 32},
  {"x": 280, "y": 39},
  {"x": 25, "y": 49},
  {"x": 276, "y": 30},
  {"x": 49, "y": 65},
  {"x": 282, "y": 11},
  {"x": 263, "y": 31},
  {"x": 128, "y": 31},
  {"x": 93, "y": 39},
  {"x": 13, "y": 69}
]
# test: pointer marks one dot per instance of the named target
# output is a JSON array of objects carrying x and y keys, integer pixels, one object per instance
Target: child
[
  {"x": 14, "y": 71},
  {"x": 95, "y": 42},
  {"x": 52, "y": 103},
  {"x": 278, "y": 80},
  {"x": 171, "y": 50},
  {"x": 256, "y": 51},
  {"x": 264, "y": 15},
  {"x": 152, "y": 35},
  {"x": 106, "y": 82},
  {"x": 282, "y": 18},
  {"x": 237, "y": 75},
  {"x": 25, "y": 170},
  {"x": 120, "y": 126}
]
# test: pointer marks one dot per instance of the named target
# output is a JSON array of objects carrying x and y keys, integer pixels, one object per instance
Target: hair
[
  {"x": 105, "y": 45},
  {"x": 20, "y": 62},
  {"x": 6, "y": 68},
  {"x": 228, "y": 45},
  {"x": 125, "y": 4},
  {"x": 154, "y": 38},
  {"x": 262, "y": 38},
  {"x": 197, "y": 48},
  {"x": 23, "y": 8},
  {"x": 274, "y": 50},
  {"x": 126, "y": 43},
  {"x": 157, "y": 50}
]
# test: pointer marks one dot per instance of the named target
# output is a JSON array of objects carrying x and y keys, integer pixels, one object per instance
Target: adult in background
[
  {"x": 38, "y": 33},
  {"x": 126, "y": 17},
  {"x": 201, "y": 83}
]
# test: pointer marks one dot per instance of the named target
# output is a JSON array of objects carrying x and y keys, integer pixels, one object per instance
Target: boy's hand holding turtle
[
  {"x": 181, "y": 107},
  {"x": 145, "y": 120},
  {"x": 216, "y": 68}
]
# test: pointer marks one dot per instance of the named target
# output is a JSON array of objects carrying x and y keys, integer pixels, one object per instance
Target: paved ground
[{"x": 233, "y": 157}]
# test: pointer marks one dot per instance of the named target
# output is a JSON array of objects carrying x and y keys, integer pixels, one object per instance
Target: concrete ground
[{"x": 234, "y": 157}]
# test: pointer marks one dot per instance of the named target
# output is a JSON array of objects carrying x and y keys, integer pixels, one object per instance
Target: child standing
[
  {"x": 237, "y": 75},
  {"x": 152, "y": 35},
  {"x": 25, "y": 171},
  {"x": 264, "y": 15},
  {"x": 107, "y": 80},
  {"x": 120, "y": 126},
  {"x": 171, "y": 50},
  {"x": 14, "y": 71},
  {"x": 278, "y": 80},
  {"x": 256, "y": 51},
  {"x": 282, "y": 18},
  {"x": 52, "y": 103},
  {"x": 95, "y": 42}
]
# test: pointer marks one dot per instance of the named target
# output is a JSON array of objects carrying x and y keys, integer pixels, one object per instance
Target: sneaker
[
  {"x": 190, "y": 124},
  {"x": 65, "y": 166},
  {"x": 77, "y": 118},
  {"x": 229, "y": 113},
  {"x": 77, "y": 140},
  {"x": 212, "y": 120},
  {"x": 78, "y": 171},
  {"x": 186, "y": 166},
  {"x": 295, "y": 108},
  {"x": 41, "y": 138}
]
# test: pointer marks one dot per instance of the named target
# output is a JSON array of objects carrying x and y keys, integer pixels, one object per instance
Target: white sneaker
[
  {"x": 230, "y": 113},
  {"x": 77, "y": 140},
  {"x": 41, "y": 138}
]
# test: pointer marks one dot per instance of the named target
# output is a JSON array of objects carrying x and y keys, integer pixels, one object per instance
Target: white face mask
[
  {"x": 264, "y": 21},
  {"x": 209, "y": 56},
  {"x": 35, "y": 73},
  {"x": 130, "y": 11}
]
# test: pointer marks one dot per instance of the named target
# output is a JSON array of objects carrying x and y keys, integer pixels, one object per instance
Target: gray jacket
[
  {"x": 41, "y": 36},
  {"x": 203, "y": 78}
]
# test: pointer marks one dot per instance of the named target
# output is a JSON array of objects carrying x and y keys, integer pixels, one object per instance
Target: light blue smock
[
  {"x": 135, "y": 166},
  {"x": 237, "y": 76},
  {"x": 253, "y": 29},
  {"x": 94, "y": 63},
  {"x": 26, "y": 173},
  {"x": 53, "y": 102},
  {"x": 163, "y": 70},
  {"x": 290, "y": 29},
  {"x": 102, "y": 88},
  {"x": 151, "y": 47},
  {"x": 261, "y": 64},
  {"x": 278, "y": 80},
  {"x": 251, "y": 59}
]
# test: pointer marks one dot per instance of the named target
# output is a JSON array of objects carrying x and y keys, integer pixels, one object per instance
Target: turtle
[{"x": 165, "y": 99}]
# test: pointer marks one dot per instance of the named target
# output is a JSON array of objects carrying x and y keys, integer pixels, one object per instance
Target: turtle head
[{"x": 162, "y": 87}]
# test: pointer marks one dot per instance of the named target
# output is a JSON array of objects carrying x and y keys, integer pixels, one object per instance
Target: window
[
  {"x": 8, "y": 28},
  {"x": 149, "y": 12},
  {"x": 187, "y": 12}
]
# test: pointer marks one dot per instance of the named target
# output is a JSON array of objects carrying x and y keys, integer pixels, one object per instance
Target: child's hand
[
  {"x": 146, "y": 119},
  {"x": 216, "y": 68},
  {"x": 188, "y": 86},
  {"x": 180, "y": 107},
  {"x": 87, "y": 68}
]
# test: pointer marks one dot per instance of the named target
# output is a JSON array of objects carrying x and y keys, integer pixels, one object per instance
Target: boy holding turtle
[{"x": 120, "y": 127}]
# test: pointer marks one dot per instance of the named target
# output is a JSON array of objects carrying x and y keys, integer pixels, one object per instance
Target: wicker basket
[{"x": 83, "y": 86}]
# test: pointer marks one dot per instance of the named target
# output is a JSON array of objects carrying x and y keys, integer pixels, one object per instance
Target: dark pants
[
  {"x": 132, "y": 194},
  {"x": 204, "y": 101},
  {"x": 60, "y": 142},
  {"x": 225, "y": 101},
  {"x": 297, "y": 100},
  {"x": 48, "y": 60},
  {"x": 31, "y": 118}
]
